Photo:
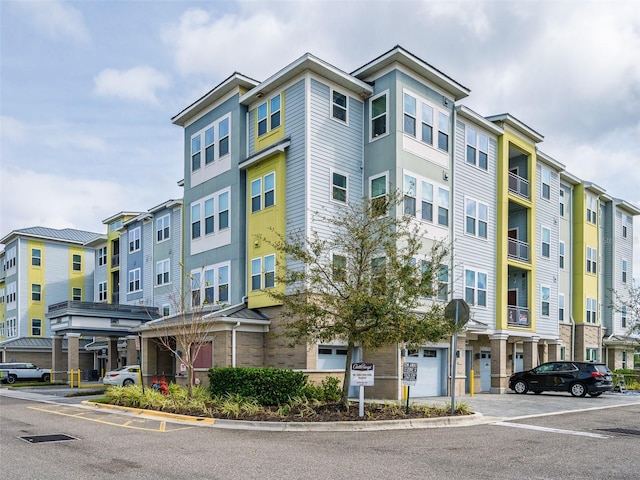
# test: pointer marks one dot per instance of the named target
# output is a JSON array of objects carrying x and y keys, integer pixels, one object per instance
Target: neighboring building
[{"x": 40, "y": 267}]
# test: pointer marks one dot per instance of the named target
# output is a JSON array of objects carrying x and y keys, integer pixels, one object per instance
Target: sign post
[
  {"x": 458, "y": 311},
  {"x": 409, "y": 378},
  {"x": 362, "y": 375}
]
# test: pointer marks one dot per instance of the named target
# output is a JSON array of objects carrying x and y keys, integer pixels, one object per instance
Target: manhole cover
[
  {"x": 624, "y": 431},
  {"x": 47, "y": 438}
]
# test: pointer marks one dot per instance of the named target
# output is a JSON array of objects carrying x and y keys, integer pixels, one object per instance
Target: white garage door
[{"x": 431, "y": 372}]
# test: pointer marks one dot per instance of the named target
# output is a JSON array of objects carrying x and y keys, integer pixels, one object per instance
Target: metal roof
[
  {"x": 70, "y": 235},
  {"x": 30, "y": 343}
]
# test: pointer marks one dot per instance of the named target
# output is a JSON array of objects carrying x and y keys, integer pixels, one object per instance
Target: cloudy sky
[{"x": 88, "y": 88}]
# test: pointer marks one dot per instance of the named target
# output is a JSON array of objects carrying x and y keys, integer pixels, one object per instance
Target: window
[
  {"x": 546, "y": 242},
  {"x": 591, "y": 310},
  {"x": 165, "y": 310},
  {"x": 263, "y": 198},
  {"x": 11, "y": 294},
  {"x": 36, "y": 327},
  {"x": 545, "y": 295},
  {"x": 378, "y": 113},
  {"x": 162, "y": 228},
  {"x": 102, "y": 291},
  {"x": 223, "y": 137},
  {"x": 162, "y": 272},
  {"x": 624, "y": 360},
  {"x": 561, "y": 255},
  {"x": 223, "y": 211},
  {"x": 591, "y": 355},
  {"x": 441, "y": 287},
  {"x": 76, "y": 294},
  {"x": 592, "y": 204},
  {"x": 102, "y": 256},
  {"x": 195, "y": 153},
  {"x": 269, "y": 190},
  {"x": 443, "y": 206},
  {"x": 12, "y": 327},
  {"x": 546, "y": 183},
  {"x": 195, "y": 221},
  {"x": 338, "y": 187},
  {"x": 623, "y": 316},
  {"x": 214, "y": 288},
  {"x": 36, "y": 292},
  {"x": 2, "y": 325},
  {"x": 562, "y": 202},
  {"x": 195, "y": 288},
  {"x": 339, "y": 268},
  {"x": 338, "y": 106},
  {"x": 209, "y": 216},
  {"x": 592, "y": 256},
  {"x": 36, "y": 257},
  {"x": 443, "y": 131},
  {"x": 625, "y": 222},
  {"x": 477, "y": 149},
  {"x": 624, "y": 271},
  {"x": 256, "y": 195},
  {"x": 134, "y": 240},
  {"x": 10, "y": 258},
  {"x": 475, "y": 288},
  {"x": 409, "y": 195},
  {"x": 378, "y": 275},
  {"x": 426, "y": 115},
  {"x": 256, "y": 274},
  {"x": 427, "y": 201},
  {"x": 216, "y": 140},
  {"x": 134, "y": 280},
  {"x": 223, "y": 283},
  {"x": 209, "y": 286},
  {"x": 410, "y": 111},
  {"x": 269, "y": 271},
  {"x": 561, "y": 307},
  {"x": 76, "y": 261},
  {"x": 378, "y": 194},
  {"x": 269, "y": 115},
  {"x": 477, "y": 218}
]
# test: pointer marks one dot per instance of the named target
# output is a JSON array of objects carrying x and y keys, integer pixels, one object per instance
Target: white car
[{"x": 123, "y": 376}]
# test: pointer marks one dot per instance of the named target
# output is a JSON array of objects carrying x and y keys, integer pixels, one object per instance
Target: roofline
[
  {"x": 233, "y": 81},
  {"x": 627, "y": 206},
  {"x": 168, "y": 204},
  {"x": 15, "y": 234},
  {"x": 110, "y": 219},
  {"x": 551, "y": 161},
  {"x": 572, "y": 179},
  {"x": 595, "y": 187},
  {"x": 307, "y": 62},
  {"x": 469, "y": 114},
  {"x": 404, "y": 57},
  {"x": 513, "y": 122}
]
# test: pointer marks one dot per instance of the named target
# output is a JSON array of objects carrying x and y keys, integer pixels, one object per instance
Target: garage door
[{"x": 432, "y": 364}]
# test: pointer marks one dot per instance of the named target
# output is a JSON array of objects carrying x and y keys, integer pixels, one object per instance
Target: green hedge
[{"x": 269, "y": 386}]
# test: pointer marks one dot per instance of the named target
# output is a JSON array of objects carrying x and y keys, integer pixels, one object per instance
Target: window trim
[
  {"x": 561, "y": 255},
  {"x": 477, "y": 221},
  {"x": 135, "y": 239},
  {"x": 76, "y": 294},
  {"x": 333, "y": 105},
  {"x": 161, "y": 228},
  {"x": 102, "y": 291},
  {"x": 269, "y": 114},
  {"x": 386, "y": 95},
  {"x": 36, "y": 258},
  {"x": 33, "y": 327},
  {"x": 373, "y": 199},
  {"x": 591, "y": 256},
  {"x": 36, "y": 292},
  {"x": 134, "y": 277},
  {"x": 545, "y": 172},
  {"x": 102, "y": 256},
  {"x": 542, "y": 301},
  {"x": 334, "y": 186},
  {"x": 544, "y": 229},
  {"x": 76, "y": 262},
  {"x": 163, "y": 271},
  {"x": 200, "y": 137},
  {"x": 624, "y": 271},
  {"x": 475, "y": 287},
  {"x": 478, "y": 143}
]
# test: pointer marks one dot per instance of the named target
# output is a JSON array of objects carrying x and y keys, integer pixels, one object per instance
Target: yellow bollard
[
  {"x": 78, "y": 378},
  {"x": 71, "y": 378},
  {"x": 471, "y": 383}
]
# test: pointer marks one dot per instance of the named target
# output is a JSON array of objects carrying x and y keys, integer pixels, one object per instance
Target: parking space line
[
  {"x": 162, "y": 426},
  {"x": 550, "y": 430}
]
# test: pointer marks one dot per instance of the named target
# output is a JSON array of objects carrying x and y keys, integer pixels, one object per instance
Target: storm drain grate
[
  {"x": 47, "y": 438},
  {"x": 624, "y": 431}
]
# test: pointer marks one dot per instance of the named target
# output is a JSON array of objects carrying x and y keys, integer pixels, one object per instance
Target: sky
[{"x": 88, "y": 88}]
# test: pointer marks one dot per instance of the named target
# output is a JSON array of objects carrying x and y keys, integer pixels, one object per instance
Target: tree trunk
[{"x": 346, "y": 382}]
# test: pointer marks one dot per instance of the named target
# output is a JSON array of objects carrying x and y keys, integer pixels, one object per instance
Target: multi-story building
[{"x": 40, "y": 267}]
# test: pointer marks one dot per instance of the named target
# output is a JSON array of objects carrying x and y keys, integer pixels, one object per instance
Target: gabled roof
[
  {"x": 468, "y": 114},
  {"x": 511, "y": 121},
  {"x": 66, "y": 235},
  {"x": 399, "y": 55}
]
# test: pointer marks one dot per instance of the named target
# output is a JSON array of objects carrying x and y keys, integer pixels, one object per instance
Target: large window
[
  {"x": 263, "y": 277},
  {"x": 269, "y": 115},
  {"x": 592, "y": 309},
  {"x": 378, "y": 194},
  {"x": 263, "y": 192},
  {"x": 378, "y": 114},
  {"x": 102, "y": 291},
  {"x": 591, "y": 354},
  {"x": 546, "y": 242},
  {"x": 477, "y": 149},
  {"x": 102, "y": 256},
  {"x": 339, "y": 183},
  {"x": 475, "y": 287},
  {"x": 76, "y": 294},
  {"x": 339, "y": 106},
  {"x": 415, "y": 188},
  {"x": 626, "y": 222},
  {"x": 162, "y": 228},
  {"x": 419, "y": 122},
  {"x": 339, "y": 268},
  {"x": 134, "y": 240},
  {"x": 134, "y": 280},
  {"x": 545, "y": 296},
  {"x": 214, "y": 139},
  {"x": 163, "y": 272},
  {"x": 216, "y": 214},
  {"x": 195, "y": 220},
  {"x": 11, "y": 295},
  {"x": 10, "y": 258},
  {"x": 592, "y": 260},
  {"x": 36, "y": 257},
  {"x": 592, "y": 205},
  {"x": 477, "y": 218},
  {"x": 36, "y": 327},
  {"x": 76, "y": 261},
  {"x": 36, "y": 292},
  {"x": 12, "y": 327}
]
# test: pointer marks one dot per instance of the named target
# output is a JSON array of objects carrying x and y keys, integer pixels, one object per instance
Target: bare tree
[{"x": 627, "y": 301}]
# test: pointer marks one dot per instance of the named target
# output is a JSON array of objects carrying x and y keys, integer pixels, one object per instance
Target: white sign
[
  {"x": 409, "y": 373},
  {"x": 362, "y": 374}
]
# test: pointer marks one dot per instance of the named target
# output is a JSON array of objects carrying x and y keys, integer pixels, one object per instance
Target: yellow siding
[
  {"x": 266, "y": 222},
  {"x": 76, "y": 277},
  {"x": 585, "y": 235},
  {"x": 35, "y": 275},
  {"x": 272, "y": 135}
]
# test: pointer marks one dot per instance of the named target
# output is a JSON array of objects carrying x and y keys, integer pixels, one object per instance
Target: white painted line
[{"x": 550, "y": 430}]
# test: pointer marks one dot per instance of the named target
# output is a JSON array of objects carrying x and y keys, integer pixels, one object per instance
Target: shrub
[{"x": 268, "y": 386}]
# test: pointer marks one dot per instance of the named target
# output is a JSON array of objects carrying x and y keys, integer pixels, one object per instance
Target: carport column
[
  {"x": 499, "y": 362},
  {"x": 554, "y": 350},
  {"x": 132, "y": 351},
  {"x": 530, "y": 353},
  {"x": 58, "y": 373},
  {"x": 543, "y": 352},
  {"x": 149, "y": 359},
  {"x": 73, "y": 351},
  {"x": 461, "y": 377},
  {"x": 112, "y": 352}
]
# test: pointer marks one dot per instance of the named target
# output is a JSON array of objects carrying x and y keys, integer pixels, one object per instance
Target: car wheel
[
  {"x": 128, "y": 382},
  {"x": 578, "y": 389},
  {"x": 595, "y": 394},
  {"x": 46, "y": 377},
  {"x": 520, "y": 387},
  {"x": 11, "y": 379}
]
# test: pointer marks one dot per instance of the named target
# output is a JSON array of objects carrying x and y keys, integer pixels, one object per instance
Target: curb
[{"x": 347, "y": 426}]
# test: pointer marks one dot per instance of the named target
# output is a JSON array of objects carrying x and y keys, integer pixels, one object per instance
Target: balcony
[
  {"x": 518, "y": 249},
  {"x": 518, "y": 316},
  {"x": 115, "y": 260},
  {"x": 519, "y": 186}
]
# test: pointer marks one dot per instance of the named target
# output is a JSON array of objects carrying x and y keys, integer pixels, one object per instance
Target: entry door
[
  {"x": 430, "y": 372},
  {"x": 519, "y": 365},
  {"x": 485, "y": 371}
]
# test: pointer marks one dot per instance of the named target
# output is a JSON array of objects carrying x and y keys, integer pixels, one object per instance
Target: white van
[{"x": 10, "y": 372}]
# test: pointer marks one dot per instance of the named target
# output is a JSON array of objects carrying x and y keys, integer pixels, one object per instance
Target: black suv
[{"x": 579, "y": 378}]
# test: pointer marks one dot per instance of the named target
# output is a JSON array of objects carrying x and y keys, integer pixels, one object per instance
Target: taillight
[
  {"x": 114, "y": 374},
  {"x": 597, "y": 374}
]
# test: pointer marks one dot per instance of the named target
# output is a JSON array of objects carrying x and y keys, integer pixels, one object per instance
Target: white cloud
[
  {"x": 138, "y": 83},
  {"x": 12, "y": 129},
  {"x": 56, "y": 19}
]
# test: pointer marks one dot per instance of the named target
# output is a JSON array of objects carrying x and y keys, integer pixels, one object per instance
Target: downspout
[{"x": 233, "y": 344}]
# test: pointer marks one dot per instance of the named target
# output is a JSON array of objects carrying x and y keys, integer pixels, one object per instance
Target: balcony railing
[
  {"x": 518, "y": 249},
  {"x": 111, "y": 307},
  {"x": 518, "y": 316},
  {"x": 115, "y": 260},
  {"x": 519, "y": 185}
]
